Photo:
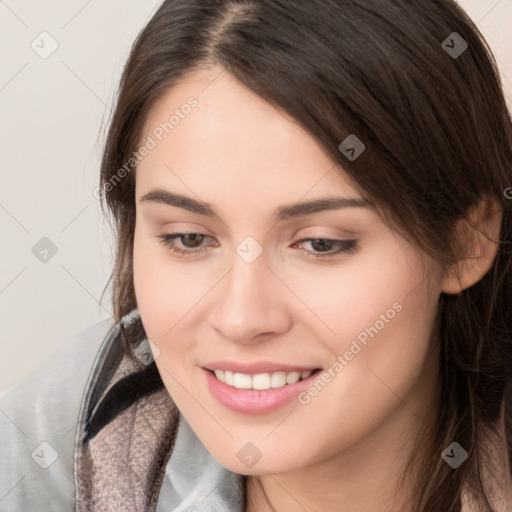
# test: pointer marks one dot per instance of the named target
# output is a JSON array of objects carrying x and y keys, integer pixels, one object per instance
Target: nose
[{"x": 250, "y": 303}]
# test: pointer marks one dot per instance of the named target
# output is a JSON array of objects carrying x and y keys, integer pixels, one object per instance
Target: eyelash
[{"x": 344, "y": 246}]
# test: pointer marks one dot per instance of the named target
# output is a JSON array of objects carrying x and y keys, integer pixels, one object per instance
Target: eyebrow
[{"x": 284, "y": 212}]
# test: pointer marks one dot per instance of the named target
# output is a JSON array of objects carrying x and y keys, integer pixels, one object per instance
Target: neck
[
  {"x": 495, "y": 471},
  {"x": 361, "y": 487},
  {"x": 369, "y": 475}
]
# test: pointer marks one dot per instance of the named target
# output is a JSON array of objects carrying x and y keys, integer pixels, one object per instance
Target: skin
[{"x": 349, "y": 444}]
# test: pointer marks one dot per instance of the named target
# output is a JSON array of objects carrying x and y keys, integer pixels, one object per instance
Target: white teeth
[
  {"x": 260, "y": 381},
  {"x": 229, "y": 378},
  {"x": 278, "y": 380},
  {"x": 293, "y": 377},
  {"x": 242, "y": 381}
]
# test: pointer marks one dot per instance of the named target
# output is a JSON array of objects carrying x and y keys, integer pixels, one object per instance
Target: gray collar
[{"x": 128, "y": 428}]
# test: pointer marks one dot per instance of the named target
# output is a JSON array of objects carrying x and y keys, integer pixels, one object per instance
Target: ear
[{"x": 480, "y": 233}]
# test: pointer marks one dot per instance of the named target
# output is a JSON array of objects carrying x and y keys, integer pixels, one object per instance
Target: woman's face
[{"x": 262, "y": 290}]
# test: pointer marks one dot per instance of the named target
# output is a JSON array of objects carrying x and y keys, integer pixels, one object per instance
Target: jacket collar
[{"x": 127, "y": 430}]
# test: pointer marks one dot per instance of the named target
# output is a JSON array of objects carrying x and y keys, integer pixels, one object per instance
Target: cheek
[
  {"x": 164, "y": 296},
  {"x": 383, "y": 332},
  {"x": 346, "y": 298},
  {"x": 376, "y": 311},
  {"x": 165, "y": 288}
]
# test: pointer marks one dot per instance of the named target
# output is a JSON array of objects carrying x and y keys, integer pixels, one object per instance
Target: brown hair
[{"x": 438, "y": 137}]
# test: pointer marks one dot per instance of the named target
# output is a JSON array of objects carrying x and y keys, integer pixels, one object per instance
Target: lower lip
[{"x": 253, "y": 401}]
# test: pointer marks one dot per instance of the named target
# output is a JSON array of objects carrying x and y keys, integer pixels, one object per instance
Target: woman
[{"x": 312, "y": 283}]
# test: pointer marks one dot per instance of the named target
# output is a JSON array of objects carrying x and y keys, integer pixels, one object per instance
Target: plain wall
[{"x": 54, "y": 112}]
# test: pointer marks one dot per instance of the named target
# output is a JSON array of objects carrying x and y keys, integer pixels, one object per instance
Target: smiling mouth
[{"x": 262, "y": 381}]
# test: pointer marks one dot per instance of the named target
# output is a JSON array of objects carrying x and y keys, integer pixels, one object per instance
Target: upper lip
[{"x": 253, "y": 368}]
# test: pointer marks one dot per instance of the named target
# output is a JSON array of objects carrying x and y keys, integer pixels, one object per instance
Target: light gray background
[{"x": 54, "y": 113}]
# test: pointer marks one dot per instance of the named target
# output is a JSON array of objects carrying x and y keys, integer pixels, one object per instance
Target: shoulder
[{"x": 38, "y": 420}]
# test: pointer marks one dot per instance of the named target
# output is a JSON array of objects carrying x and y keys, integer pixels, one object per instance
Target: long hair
[{"x": 428, "y": 105}]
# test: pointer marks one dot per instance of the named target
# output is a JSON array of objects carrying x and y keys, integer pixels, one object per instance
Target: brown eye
[
  {"x": 323, "y": 247},
  {"x": 191, "y": 243},
  {"x": 190, "y": 239}
]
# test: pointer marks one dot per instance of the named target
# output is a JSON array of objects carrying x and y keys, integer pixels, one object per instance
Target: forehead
[{"x": 214, "y": 134}]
